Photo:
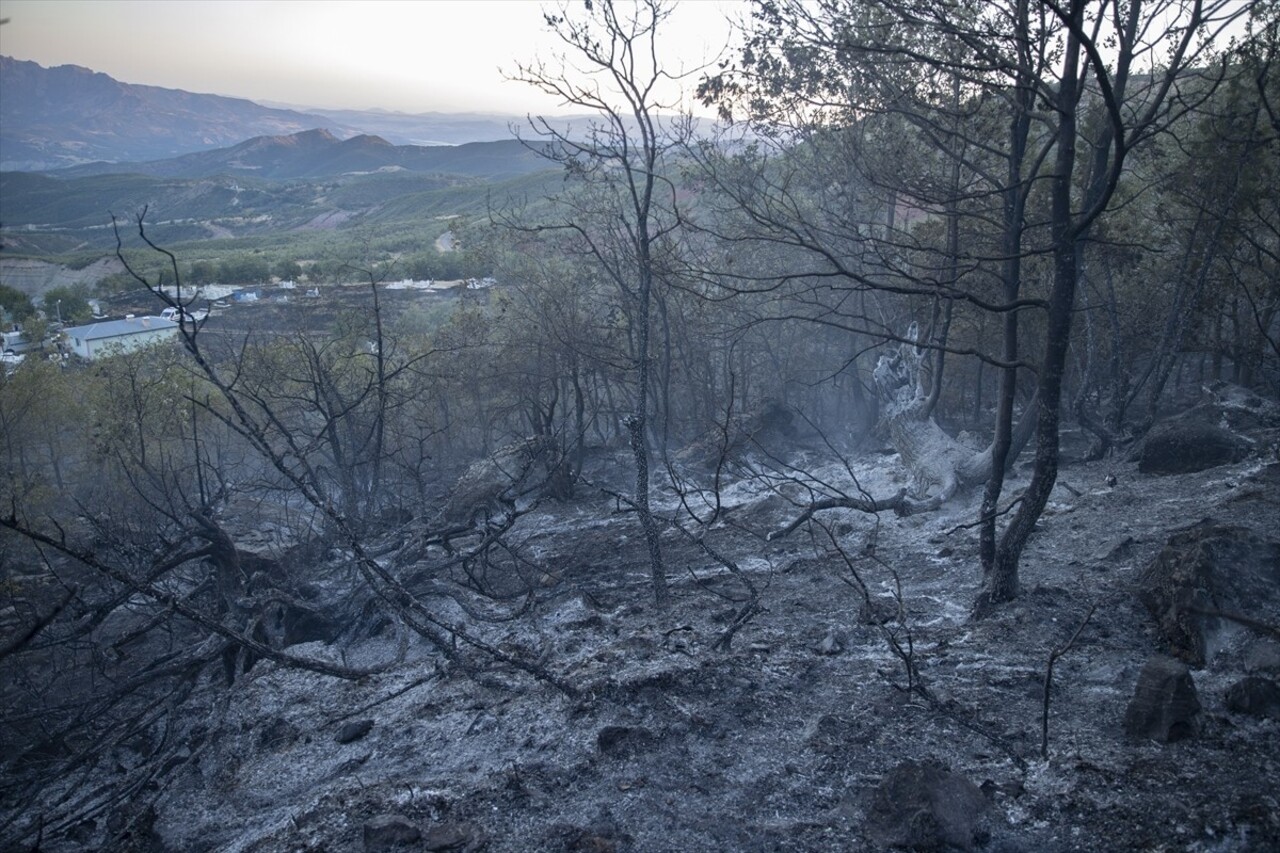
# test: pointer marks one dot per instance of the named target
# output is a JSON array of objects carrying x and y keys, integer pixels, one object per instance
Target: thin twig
[{"x": 1048, "y": 681}]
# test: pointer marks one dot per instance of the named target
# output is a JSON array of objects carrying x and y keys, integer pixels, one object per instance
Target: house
[
  {"x": 116, "y": 336},
  {"x": 15, "y": 341}
]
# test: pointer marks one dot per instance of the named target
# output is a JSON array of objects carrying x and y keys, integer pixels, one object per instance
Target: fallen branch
[
  {"x": 41, "y": 622},
  {"x": 292, "y": 462},
  {"x": 899, "y": 503},
  {"x": 178, "y": 605},
  {"x": 1239, "y": 618},
  {"x": 970, "y": 525}
]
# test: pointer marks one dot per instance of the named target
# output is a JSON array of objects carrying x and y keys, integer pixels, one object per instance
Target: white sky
[{"x": 405, "y": 55}]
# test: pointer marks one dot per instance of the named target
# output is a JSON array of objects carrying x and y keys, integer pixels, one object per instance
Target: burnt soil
[{"x": 778, "y": 741}]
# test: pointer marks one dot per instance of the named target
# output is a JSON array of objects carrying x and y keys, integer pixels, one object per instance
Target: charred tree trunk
[{"x": 939, "y": 465}]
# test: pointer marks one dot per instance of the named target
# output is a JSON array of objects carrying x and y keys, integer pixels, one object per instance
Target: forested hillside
[{"x": 894, "y": 467}]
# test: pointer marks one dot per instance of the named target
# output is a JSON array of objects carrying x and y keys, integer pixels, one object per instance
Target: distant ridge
[
  {"x": 318, "y": 154},
  {"x": 67, "y": 115},
  {"x": 432, "y": 128}
]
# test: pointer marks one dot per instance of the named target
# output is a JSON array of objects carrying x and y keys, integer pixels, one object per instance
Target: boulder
[
  {"x": 1262, "y": 656},
  {"x": 353, "y": 730},
  {"x": 1240, "y": 408},
  {"x": 1187, "y": 444},
  {"x": 1204, "y": 569},
  {"x": 448, "y": 837},
  {"x": 771, "y": 427},
  {"x": 388, "y": 832},
  {"x": 491, "y": 486},
  {"x": 1255, "y": 696},
  {"x": 1165, "y": 706},
  {"x": 924, "y": 806},
  {"x": 290, "y": 622},
  {"x": 623, "y": 741}
]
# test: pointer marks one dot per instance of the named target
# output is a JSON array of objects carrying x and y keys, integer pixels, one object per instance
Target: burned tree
[
  {"x": 625, "y": 212},
  {"x": 1049, "y": 119}
]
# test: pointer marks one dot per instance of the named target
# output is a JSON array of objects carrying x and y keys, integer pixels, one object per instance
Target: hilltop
[
  {"x": 62, "y": 116},
  {"x": 317, "y": 153}
]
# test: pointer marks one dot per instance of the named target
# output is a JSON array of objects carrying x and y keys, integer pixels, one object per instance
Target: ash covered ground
[{"x": 788, "y": 736}]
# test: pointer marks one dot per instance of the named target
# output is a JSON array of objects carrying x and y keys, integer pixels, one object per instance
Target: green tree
[
  {"x": 71, "y": 304},
  {"x": 244, "y": 269},
  {"x": 288, "y": 270},
  {"x": 16, "y": 303},
  {"x": 202, "y": 272}
]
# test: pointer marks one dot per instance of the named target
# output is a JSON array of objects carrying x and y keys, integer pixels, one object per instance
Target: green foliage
[
  {"x": 115, "y": 283},
  {"x": 69, "y": 303},
  {"x": 244, "y": 269},
  {"x": 202, "y": 272},
  {"x": 288, "y": 270},
  {"x": 424, "y": 319},
  {"x": 441, "y": 266},
  {"x": 16, "y": 303}
]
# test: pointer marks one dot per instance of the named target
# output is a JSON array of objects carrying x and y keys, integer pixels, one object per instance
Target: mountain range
[
  {"x": 64, "y": 116},
  {"x": 52, "y": 117}
]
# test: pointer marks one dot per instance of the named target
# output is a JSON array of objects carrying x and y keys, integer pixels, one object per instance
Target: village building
[{"x": 111, "y": 337}]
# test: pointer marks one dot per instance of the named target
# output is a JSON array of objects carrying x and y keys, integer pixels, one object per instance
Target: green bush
[{"x": 16, "y": 303}]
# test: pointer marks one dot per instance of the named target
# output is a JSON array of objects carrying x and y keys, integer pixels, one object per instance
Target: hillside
[
  {"x": 267, "y": 185},
  {"x": 55, "y": 117},
  {"x": 799, "y": 733},
  {"x": 318, "y": 154}
]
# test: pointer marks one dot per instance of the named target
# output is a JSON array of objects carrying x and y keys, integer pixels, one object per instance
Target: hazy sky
[{"x": 408, "y": 55}]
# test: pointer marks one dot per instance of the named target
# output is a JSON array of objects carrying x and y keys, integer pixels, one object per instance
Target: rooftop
[{"x": 118, "y": 328}]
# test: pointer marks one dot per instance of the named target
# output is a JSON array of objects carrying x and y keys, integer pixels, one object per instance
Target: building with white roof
[{"x": 111, "y": 337}]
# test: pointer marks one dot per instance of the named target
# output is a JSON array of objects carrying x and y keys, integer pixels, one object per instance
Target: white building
[{"x": 116, "y": 336}]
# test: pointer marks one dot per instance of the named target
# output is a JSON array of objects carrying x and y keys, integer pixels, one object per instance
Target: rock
[
  {"x": 1187, "y": 444},
  {"x": 1256, "y": 696},
  {"x": 353, "y": 730},
  {"x": 1114, "y": 550},
  {"x": 622, "y": 741},
  {"x": 387, "y": 832},
  {"x": 277, "y": 734},
  {"x": 448, "y": 836},
  {"x": 832, "y": 643},
  {"x": 923, "y": 806},
  {"x": 1241, "y": 408},
  {"x": 1262, "y": 656},
  {"x": 771, "y": 427},
  {"x": 492, "y": 485},
  {"x": 1165, "y": 706},
  {"x": 1207, "y": 567}
]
